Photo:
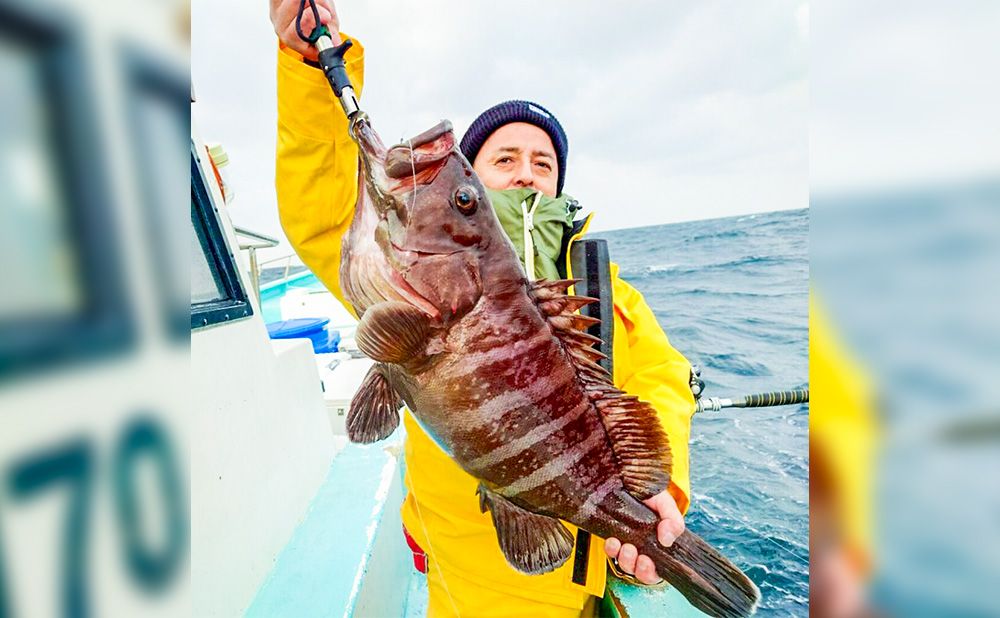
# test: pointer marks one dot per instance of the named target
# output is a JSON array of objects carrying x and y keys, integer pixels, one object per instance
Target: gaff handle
[
  {"x": 778, "y": 398},
  {"x": 331, "y": 61}
]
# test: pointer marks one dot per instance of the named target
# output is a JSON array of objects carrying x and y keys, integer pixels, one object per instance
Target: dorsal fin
[
  {"x": 545, "y": 289},
  {"x": 641, "y": 447}
]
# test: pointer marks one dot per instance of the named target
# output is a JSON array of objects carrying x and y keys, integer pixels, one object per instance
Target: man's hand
[
  {"x": 670, "y": 527},
  {"x": 283, "y": 14}
]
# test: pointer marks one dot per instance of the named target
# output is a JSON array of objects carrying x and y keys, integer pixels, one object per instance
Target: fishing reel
[
  {"x": 758, "y": 400},
  {"x": 696, "y": 383}
]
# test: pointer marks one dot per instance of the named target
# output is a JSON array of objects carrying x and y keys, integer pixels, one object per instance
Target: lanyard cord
[
  {"x": 318, "y": 30},
  {"x": 529, "y": 243}
]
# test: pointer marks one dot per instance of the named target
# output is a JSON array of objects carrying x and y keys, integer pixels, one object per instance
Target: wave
[
  {"x": 742, "y": 263},
  {"x": 720, "y": 235},
  {"x": 734, "y": 363},
  {"x": 750, "y": 260}
]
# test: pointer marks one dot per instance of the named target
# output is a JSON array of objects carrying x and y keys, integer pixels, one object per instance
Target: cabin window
[
  {"x": 216, "y": 292},
  {"x": 159, "y": 110},
  {"x": 62, "y": 287}
]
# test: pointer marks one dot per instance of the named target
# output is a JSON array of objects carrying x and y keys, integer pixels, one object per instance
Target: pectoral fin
[
  {"x": 532, "y": 543},
  {"x": 374, "y": 412},
  {"x": 393, "y": 332}
]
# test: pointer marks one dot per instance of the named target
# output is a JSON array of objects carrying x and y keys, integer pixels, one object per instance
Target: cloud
[
  {"x": 904, "y": 94},
  {"x": 709, "y": 99}
]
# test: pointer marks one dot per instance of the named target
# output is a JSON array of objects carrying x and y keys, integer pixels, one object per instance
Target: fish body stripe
[
  {"x": 474, "y": 361},
  {"x": 494, "y": 408},
  {"x": 589, "y": 508},
  {"x": 533, "y": 437},
  {"x": 556, "y": 466}
]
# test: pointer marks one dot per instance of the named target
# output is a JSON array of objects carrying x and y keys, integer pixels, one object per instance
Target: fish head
[{"x": 435, "y": 225}]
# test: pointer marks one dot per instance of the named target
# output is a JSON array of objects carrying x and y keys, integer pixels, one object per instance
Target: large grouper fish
[{"x": 501, "y": 372}]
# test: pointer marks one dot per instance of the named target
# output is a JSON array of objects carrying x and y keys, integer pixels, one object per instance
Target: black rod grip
[{"x": 776, "y": 398}]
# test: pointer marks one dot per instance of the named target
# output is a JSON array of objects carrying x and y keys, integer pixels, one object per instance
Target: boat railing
[
  {"x": 250, "y": 241},
  {"x": 285, "y": 260}
]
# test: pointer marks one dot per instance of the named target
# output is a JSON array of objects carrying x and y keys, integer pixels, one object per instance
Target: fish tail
[{"x": 707, "y": 579}]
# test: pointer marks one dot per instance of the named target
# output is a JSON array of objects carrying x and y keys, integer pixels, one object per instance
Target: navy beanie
[{"x": 517, "y": 111}]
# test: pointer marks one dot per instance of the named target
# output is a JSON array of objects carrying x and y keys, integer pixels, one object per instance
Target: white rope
[
  {"x": 529, "y": 243},
  {"x": 416, "y": 503}
]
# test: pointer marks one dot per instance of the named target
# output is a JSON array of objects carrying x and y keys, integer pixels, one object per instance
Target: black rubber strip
[{"x": 581, "y": 557}]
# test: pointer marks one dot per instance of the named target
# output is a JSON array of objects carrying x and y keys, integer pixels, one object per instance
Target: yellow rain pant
[{"x": 470, "y": 600}]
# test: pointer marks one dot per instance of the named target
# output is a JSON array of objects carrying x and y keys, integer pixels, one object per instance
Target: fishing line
[
  {"x": 430, "y": 546},
  {"x": 413, "y": 171},
  {"x": 416, "y": 503}
]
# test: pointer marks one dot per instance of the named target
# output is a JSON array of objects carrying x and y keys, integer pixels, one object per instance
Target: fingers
[
  {"x": 645, "y": 571},
  {"x": 631, "y": 561},
  {"x": 627, "y": 558},
  {"x": 612, "y": 546},
  {"x": 671, "y": 523},
  {"x": 283, "y": 17},
  {"x": 331, "y": 12},
  {"x": 668, "y": 530}
]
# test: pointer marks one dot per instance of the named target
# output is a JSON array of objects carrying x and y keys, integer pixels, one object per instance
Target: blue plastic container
[{"x": 314, "y": 329}]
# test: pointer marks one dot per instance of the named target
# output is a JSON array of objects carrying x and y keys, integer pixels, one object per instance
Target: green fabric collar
[{"x": 550, "y": 220}]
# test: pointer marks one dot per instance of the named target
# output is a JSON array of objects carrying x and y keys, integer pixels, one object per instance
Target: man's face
[{"x": 518, "y": 155}]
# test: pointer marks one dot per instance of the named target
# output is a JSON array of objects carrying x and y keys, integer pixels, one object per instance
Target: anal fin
[
  {"x": 374, "y": 412},
  {"x": 531, "y": 543}
]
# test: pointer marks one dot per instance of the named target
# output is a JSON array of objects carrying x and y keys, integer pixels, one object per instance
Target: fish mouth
[
  {"x": 416, "y": 253},
  {"x": 370, "y": 144},
  {"x": 419, "y": 253},
  {"x": 392, "y": 173},
  {"x": 417, "y": 161}
]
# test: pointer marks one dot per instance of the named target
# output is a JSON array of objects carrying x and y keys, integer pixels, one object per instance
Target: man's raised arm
[{"x": 317, "y": 162}]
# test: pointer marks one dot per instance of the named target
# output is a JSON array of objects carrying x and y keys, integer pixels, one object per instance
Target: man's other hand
[
  {"x": 670, "y": 527},
  {"x": 284, "y": 13}
]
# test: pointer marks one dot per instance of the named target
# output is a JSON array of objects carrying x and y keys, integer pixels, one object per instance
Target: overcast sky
[
  {"x": 903, "y": 93},
  {"x": 674, "y": 110}
]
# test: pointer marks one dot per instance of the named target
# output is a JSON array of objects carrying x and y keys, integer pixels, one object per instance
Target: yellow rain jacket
[
  {"x": 316, "y": 179},
  {"x": 843, "y": 434}
]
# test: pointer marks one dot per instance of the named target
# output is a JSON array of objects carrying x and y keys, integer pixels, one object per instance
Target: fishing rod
[
  {"x": 757, "y": 400},
  {"x": 331, "y": 62}
]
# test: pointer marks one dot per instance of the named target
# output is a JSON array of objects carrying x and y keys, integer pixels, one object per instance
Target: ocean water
[{"x": 732, "y": 296}]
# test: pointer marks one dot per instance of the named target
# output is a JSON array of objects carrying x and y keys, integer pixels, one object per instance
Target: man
[{"x": 519, "y": 151}]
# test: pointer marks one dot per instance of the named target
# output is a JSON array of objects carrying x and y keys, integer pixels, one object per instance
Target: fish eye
[{"x": 466, "y": 199}]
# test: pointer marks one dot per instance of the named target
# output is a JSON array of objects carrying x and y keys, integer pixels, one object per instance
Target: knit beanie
[{"x": 517, "y": 111}]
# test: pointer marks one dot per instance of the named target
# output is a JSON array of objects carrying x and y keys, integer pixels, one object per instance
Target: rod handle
[{"x": 776, "y": 398}]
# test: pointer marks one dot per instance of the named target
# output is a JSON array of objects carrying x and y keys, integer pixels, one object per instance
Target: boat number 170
[{"x": 75, "y": 467}]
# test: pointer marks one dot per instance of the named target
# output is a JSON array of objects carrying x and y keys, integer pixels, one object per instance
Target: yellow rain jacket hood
[{"x": 316, "y": 180}]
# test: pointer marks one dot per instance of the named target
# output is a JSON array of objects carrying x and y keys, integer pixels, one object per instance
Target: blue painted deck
[
  {"x": 348, "y": 557},
  {"x": 641, "y": 602}
]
